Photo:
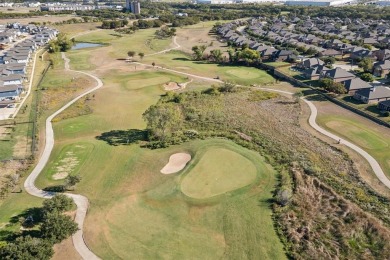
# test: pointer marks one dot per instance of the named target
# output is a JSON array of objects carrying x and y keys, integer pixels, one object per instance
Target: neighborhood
[
  {"x": 322, "y": 48},
  {"x": 17, "y": 45}
]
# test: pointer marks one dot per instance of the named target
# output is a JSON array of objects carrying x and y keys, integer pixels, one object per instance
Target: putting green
[
  {"x": 243, "y": 73},
  {"x": 217, "y": 172}
]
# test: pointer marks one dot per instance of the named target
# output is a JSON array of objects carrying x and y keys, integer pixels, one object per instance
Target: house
[
  {"x": 384, "y": 105},
  {"x": 10, "y": 91},
  {"x": 309, "y": 63},
  {"x": 382, "y": 55},
  {"x": 314, "y": 72},
  {"x": 11, "y": 80},
  {"x": 372, "y": 95},
  {"x": 337, "y": 75},
  {"x": 382, "y": 68},
  {"x": 329, "y": 53},
  {"x": 283, "y": 55},
  {"x": 363, "y": 53},
  {"x": 267, "y": 53},
  {"x": 352, "y": 85}
]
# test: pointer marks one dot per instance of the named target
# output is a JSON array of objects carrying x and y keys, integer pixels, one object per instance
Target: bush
[{"x": 367, "y": 77}]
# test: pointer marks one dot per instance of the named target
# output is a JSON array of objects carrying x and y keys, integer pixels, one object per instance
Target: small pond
[{"x": 84, "y": 45}]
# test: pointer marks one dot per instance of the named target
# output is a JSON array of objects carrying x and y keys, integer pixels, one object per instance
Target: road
[{"x": 80, "y": 201}]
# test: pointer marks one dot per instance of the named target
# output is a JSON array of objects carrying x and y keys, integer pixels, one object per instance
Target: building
[
  {"x": 133, "y": 6},
  {"x": 384, "y": 105},
  {"x": 372, "y": 95}
]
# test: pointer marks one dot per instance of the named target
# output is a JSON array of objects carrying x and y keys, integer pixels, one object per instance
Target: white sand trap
[
  {"x": 171, "y": 86},
  {"x": 176, "y": 163}
]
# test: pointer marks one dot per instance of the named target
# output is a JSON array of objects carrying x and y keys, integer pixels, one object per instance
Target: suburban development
[{"x": 195, "y": 130}]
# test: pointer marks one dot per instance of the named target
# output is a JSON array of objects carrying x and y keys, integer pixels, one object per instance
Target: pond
[{"x": 84, "y": 45}]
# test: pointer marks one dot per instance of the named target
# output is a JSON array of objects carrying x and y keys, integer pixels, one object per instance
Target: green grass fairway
[
  {"x": 373, "y": 141},
  {"x": 241, "y": 75},
  {"x": 217, "y": 172},
  {"x": 68, "y": 161}
]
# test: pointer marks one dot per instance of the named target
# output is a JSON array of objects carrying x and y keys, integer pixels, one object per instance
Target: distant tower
[{"x": 133, "y": 6}]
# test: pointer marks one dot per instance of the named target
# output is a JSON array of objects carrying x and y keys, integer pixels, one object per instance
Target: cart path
[
  {"x": 80, "y": 201},
  {"x": 312, "y": 122}
]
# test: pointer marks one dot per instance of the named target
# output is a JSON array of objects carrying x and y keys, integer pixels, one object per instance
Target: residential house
[
  {"x": 382, "y": 55},
  {"x": 384, "y": 105},
  {"x": 309, "y": 63},
  {"x": 329, "y": 53},
  {"x": 372, "y": 95},
  {"x": 353, "y": 85},
  {"x": 10, "y": 91},
  {"x": 382, "y": 68},
  {"x": 283, "y": 55},
  {"x": 337, "y": 75},
  {"x": 11, "y": 79}
]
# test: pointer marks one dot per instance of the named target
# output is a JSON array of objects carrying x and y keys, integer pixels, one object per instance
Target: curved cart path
[
  {"x": 312, "y": 122},
  {"x": 79, "y": 200}
]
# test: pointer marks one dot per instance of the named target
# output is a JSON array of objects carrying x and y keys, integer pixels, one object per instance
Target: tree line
[{"x": 42, "y": 228}]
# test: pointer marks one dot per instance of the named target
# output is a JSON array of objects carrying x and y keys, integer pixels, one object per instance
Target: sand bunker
[
  {"x": 176, "y": 163},
  {"x": 171, "y": 86}
]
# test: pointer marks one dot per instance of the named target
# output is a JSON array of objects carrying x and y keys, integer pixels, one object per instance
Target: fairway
[
  {"x": 373, "y": 141},
  {"x": 135, "y": 211},
  {"x": 218, "y": 171}
]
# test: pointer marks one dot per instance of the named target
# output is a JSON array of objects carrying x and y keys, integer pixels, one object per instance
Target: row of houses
[
  {"x": 16, "y": 57},
  {"x": 358, "y": 88},
  {"x": 259, "y": 33}
]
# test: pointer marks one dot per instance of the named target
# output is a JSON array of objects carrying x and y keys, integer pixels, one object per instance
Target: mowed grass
[
  {"x": 218, "y": 171},
  {"x": 138, "y": 213},
  {"x": 142, "y": 214},
  {"x": 68, "y": 161},
  {"x": 375, "y": 142},
  {"x": 180, "y": 61},
  {"x": 141, "y": 41}
]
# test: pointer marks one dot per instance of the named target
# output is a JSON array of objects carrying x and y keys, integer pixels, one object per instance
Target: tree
[
  {"x": 131, "y": 54},
  {"x": 249, "y": 56},
  {"x": 57, "y": 227},
  {"x": 337, "y": 88},
  {"x": 329, "y": 60},
  {"x": 72, "y": 180},
  {"x": 326, "y": 82},
  {"x": 61, "y": 43},
  {"x": 141, "y": 55},
  {"x": 58, "y": 203},
  {"x": 283, "y": 197},
  {"x": 163, "y": 119},
  {"x": 216, "y": 55},
  {"x": 198, "y": 51},
  {"x": 367, "y": 77},
  {"x": 227, "y": 86},
  {"x": 231, "y": 55},
  {"x": 26, "y": 248},
  {"x": 311, "y": 51},
  {"x": 366, "y": 64}
]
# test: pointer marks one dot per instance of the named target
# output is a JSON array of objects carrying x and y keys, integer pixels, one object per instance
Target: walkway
[
  {"x": 80, "y": 201},
  {"x": 312, "y": 121}
]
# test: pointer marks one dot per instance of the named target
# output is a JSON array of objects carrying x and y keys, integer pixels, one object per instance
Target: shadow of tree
[{"x": 123, "y": 137}]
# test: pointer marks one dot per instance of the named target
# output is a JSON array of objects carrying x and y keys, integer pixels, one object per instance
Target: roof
[
  {"x": 10, "y": 88},
  {"x": 338, "y": 73},
  {"x": 386, "y": 103},
  {"x": 375, "y": 92},
  {"x": 311, "y": 62},
  {"x": 385, "y": 65},
  {"x": 355, "y": 83}
]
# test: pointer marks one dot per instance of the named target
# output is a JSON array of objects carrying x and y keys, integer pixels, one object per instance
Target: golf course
[{"x": 216, "y": 187}]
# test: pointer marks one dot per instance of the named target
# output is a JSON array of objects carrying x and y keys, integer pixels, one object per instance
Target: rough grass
[
  {"x": 219, "y": 171},
  {"x": 141, "y": 41},
  {"x": 375, "y": 142}
]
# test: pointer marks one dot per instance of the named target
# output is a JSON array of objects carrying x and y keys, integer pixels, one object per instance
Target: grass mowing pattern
[
  {"x": 217, "y": 172},
  {"x": 371, "y": 140}
]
